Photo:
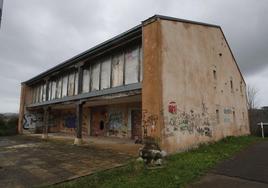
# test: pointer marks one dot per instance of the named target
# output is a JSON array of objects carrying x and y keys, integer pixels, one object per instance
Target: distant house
[
  {"x": 264, "y": 107},
  {"x": 256, "y": 116},
  {"x": 172, "y": 79}
]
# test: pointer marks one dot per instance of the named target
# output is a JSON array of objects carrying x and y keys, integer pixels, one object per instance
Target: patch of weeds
[{"x": 181, "y": 168}]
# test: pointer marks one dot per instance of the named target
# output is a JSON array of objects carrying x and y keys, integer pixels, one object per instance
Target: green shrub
[{"x": 8, "y": 127}]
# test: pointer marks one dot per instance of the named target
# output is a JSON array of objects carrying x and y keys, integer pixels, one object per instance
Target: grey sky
[{"x": 36, "y": 34}]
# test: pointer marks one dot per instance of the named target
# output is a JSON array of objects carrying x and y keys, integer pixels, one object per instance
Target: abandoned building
[{"x": 171, "y": 79}]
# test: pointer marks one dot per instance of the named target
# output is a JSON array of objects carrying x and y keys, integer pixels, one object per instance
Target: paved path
[
  {"x": 27, "y": 161},
  {"x": 249, "y": 169}
]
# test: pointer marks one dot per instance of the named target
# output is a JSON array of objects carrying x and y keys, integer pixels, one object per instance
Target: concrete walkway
[
  {"x": 28, "y": 161},
  {"x": 249, "y": 169}
]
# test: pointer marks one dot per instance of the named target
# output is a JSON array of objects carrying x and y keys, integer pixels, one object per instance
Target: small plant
[{"x": 151, "y": 153}]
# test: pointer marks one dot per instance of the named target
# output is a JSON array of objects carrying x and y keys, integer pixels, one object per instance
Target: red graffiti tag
[{"x": 172, "y": 107}]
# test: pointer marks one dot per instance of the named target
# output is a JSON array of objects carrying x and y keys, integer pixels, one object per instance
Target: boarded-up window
[
  {"x": 58, "y": 89},
  {"x": 76, "y": 83},
  {"x": 71, "y": 84},
  {"x": 49, "y": 90},
  {"x": 44, "y": 92},
  {"x": 64, "y": 86},
  {"x": 33, "y": 94},
  {"x": 86, "y": 80},
  {"x": 105, "y": 73},
  {"x": 117, "y": 70},
  {"x": 37, "y": 94},
  {"x": 95, "y": 77},
  {"x": 141, "y": 64},
  {"x": 53, "y": 90},
  {"x": 41, "y": 93},
  {"x": 132, "y": 66}
]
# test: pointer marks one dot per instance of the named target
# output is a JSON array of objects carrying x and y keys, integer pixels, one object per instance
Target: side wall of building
[
  {"x": 203, "y": 95},
  {"x": 152, "y": 117}
]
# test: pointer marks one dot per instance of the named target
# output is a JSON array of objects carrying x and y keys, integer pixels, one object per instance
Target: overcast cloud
[{"x": 36, "y": 35}]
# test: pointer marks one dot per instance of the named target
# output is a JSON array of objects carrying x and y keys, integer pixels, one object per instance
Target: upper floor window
[
  {"x": 64, "y": 86},
  {"x": 71, "y": 83},
  {"x": 124, "y": 67},
  {"x": 58, "y": 88},
  {"x": 95, "y": 76},
  {"x": 105, "y": 73},
  {"x": 76, "y": 83},
  {"x": 41, "y": 93},
  {"x": 132, "y": 66},
  {"x": 117, "y": 70},
  {"x": 53, "y": 89},
  {"x": 86, "y": 80}
]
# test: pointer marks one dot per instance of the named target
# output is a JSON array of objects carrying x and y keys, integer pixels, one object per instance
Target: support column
[
  {"x": 46, "y": 113},
  {"x": 78, "y": 123},
  {"x": 21, "y": 110},
  {"x": 79, "y": 107},
  {"x": 45, "y": 122}
]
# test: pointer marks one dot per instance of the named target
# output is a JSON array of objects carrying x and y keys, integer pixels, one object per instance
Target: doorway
[{"x": 136, "y": 129}]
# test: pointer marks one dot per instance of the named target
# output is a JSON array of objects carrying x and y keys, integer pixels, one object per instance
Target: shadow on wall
[{"x": 256, "y": 116}]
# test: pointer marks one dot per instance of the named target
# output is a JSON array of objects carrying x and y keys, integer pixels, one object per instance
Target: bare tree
[{"x": 252, "y": 94}]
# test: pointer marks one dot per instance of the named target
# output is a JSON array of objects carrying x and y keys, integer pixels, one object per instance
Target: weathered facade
[{"x": 171, "y": 79}]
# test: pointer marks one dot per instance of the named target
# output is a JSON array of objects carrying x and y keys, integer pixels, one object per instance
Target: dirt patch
[{"x": 30, "y": 162}]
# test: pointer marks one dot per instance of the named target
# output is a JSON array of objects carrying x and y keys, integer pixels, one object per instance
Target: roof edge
[
  {"x": 162, "y": 17},
  {"x": 232, "y": 54},
  {"x": 108, "y": 42}
]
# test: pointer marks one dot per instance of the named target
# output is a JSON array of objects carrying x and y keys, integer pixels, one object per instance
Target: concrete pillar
[
  {"x": 80, "y": 77},
  {"x": 25, "y": 99},
  {"x": 152, "y": 100},
  {"x": 79, "y": 107},
  {"x": 21, "y": 110},
  {"x": 45, "y": 122},
  {"x": 46, "y": 112},
  {"x": 78, "y": 123}
]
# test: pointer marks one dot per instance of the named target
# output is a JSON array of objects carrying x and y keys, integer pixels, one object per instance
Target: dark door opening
[{"x": 136, "y": 129}]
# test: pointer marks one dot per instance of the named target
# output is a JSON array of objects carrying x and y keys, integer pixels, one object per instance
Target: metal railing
[{"x": 262, "y": 129}]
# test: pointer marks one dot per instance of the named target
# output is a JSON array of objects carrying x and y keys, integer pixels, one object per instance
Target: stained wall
[{"x": 203, "y": 92}]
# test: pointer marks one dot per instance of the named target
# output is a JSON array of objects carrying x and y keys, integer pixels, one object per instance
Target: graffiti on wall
[
  {"x": 116, "y": 124},
  {"x": 172, "y": 107},
  {"x": 149, "y": 122},
  {"x": 193, "y": 122},
  {"x": 32, "y": 120},
  {"x": 189, "y": 122}
]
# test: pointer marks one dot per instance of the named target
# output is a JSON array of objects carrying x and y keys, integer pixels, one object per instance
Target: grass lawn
[{"x": 180, "y": 169}]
